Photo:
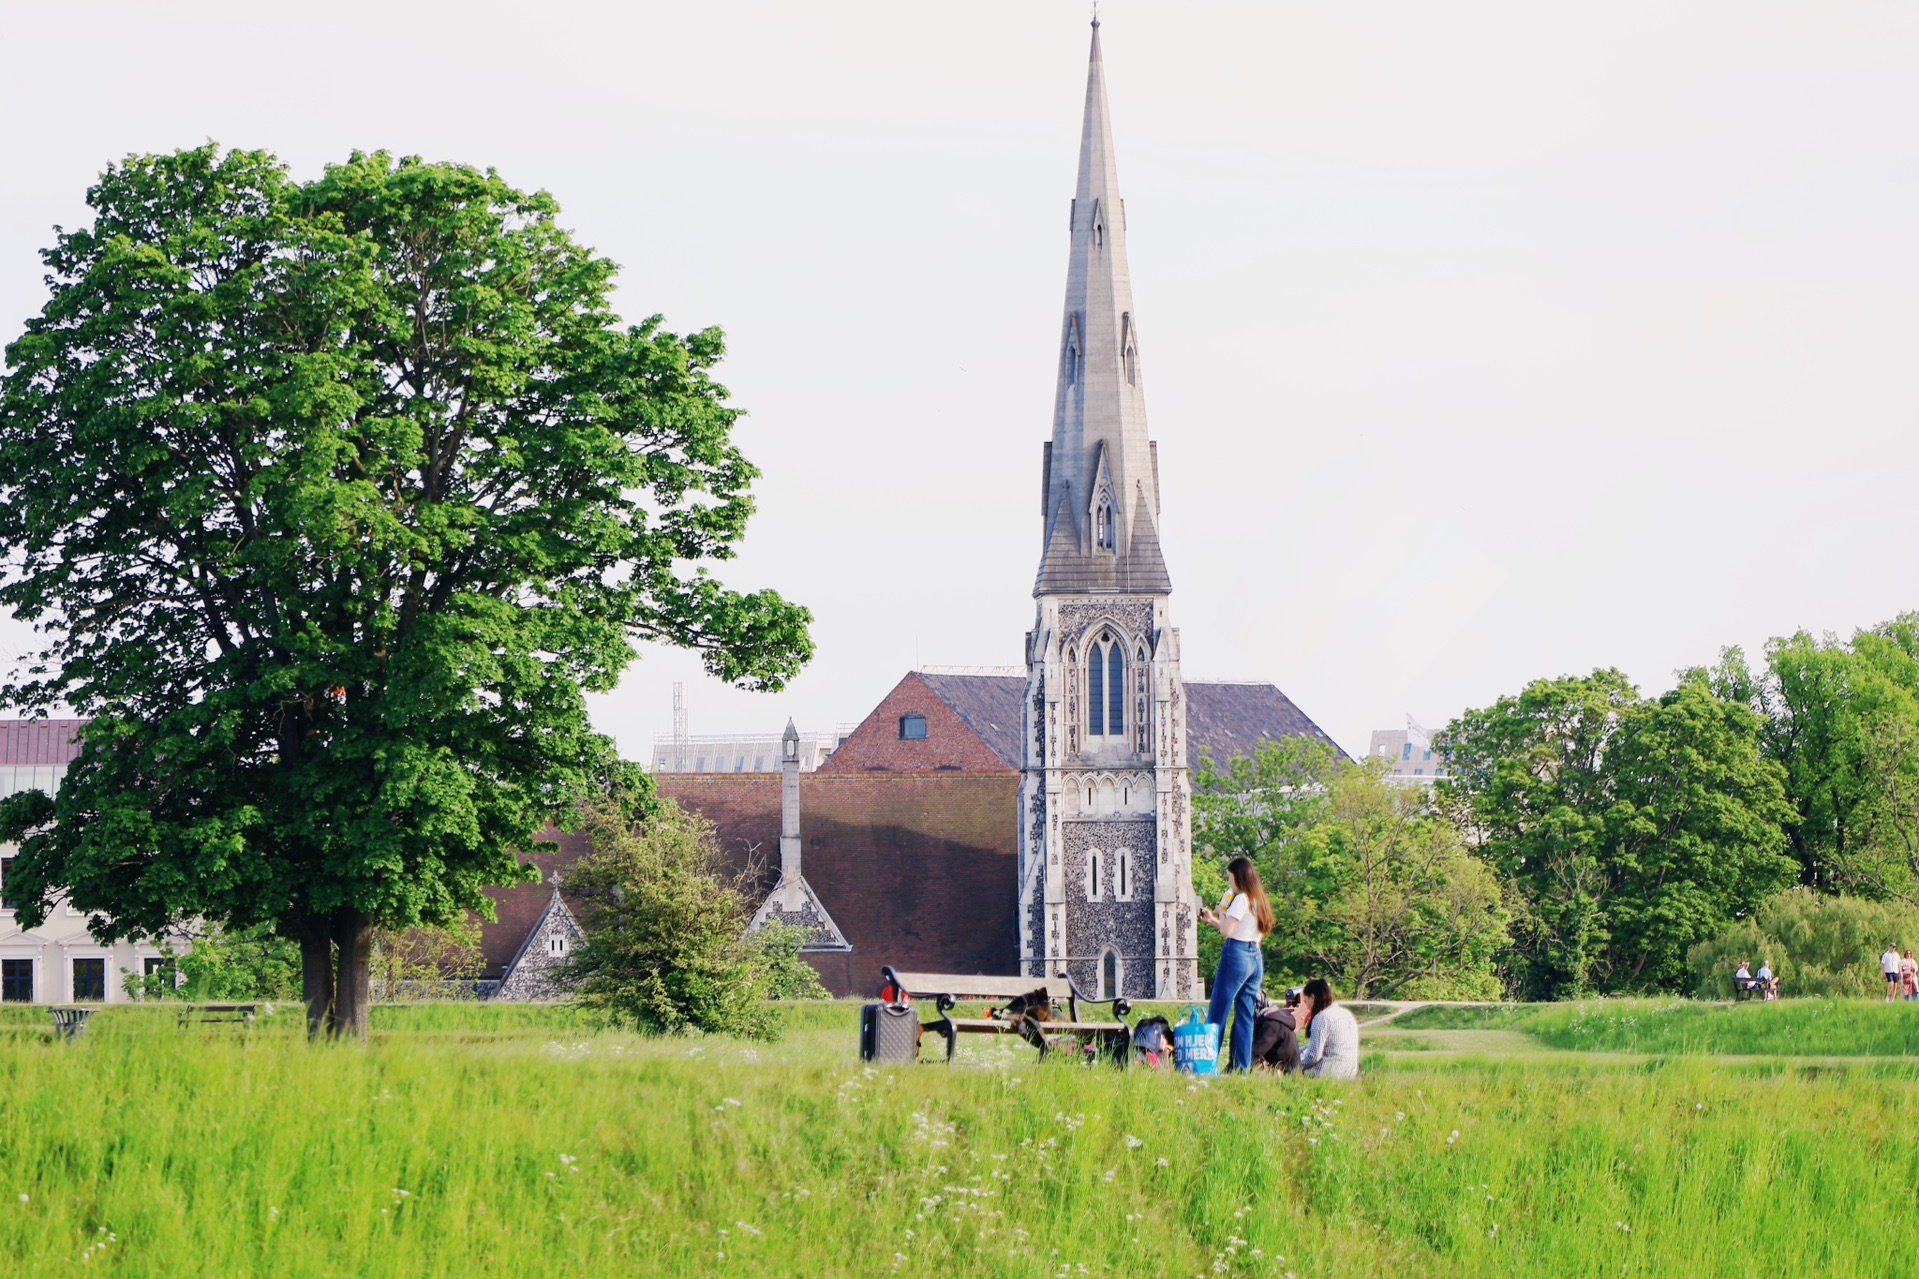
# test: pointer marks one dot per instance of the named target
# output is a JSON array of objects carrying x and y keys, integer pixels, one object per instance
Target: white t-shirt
[
  {"x": 1241, "y": 923},
  {"x": 1889, "y": 962},
  {"x": 1742, "y": 972},
  {"x": 1765, "y": 972}
]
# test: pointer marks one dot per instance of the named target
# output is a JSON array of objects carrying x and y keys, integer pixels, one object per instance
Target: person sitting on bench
[{"x": 1767, "y": 982}]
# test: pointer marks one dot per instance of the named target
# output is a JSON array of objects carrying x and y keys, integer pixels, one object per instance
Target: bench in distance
[{"x": 1112, "y": 1039}]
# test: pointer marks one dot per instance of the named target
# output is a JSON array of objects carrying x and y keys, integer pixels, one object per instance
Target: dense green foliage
[
  {"x": 1842, "y": 718},
  {"x": 508, "y": 1137},
  {"x": 1817, "y": 944},
  {"x": 221, "y": 964},
  {"x": 666, "y": 946},
  {"x": 332, "y": 502},
  {"x": 1371, "y": 887},
  {"x": 1627, "y": 829}
]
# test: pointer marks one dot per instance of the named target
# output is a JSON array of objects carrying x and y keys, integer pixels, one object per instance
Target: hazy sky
[{"x": 1483, "y": 341}]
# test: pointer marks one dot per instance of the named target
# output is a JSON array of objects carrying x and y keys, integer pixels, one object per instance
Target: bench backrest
[{"x": 932, "y": 985}]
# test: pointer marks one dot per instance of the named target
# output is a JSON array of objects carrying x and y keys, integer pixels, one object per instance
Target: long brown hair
[{"x": 1246, "y": 880}]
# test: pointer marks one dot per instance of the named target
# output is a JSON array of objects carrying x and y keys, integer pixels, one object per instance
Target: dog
[{"x": 1035, "y": 1004}]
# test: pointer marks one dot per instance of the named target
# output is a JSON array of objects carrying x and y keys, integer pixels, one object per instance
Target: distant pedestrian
[
  {"x": 1909, "y": 975},
  {"x": 1889, "y": 964},
  {"x": 1332, "y": 1045}
]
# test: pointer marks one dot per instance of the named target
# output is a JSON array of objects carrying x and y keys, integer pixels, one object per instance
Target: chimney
[{"x": 791, "y": 895}]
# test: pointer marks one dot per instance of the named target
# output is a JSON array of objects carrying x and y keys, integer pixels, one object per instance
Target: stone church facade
[
  {"x": 1105, "y": 819},
  {"x": 1037, "y": 820}
]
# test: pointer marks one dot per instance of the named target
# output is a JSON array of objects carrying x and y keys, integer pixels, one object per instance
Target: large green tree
[
  {"x": 332, "y": 501},
  {"x": 1842, "y": 719},
  {"x": 1627, "y": 829},
  {"x": 1370, "y": 885}
]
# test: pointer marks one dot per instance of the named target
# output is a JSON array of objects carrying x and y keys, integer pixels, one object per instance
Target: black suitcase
[{"x": 889, "y": 1033}]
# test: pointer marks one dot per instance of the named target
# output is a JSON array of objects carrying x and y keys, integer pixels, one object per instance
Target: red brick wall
[
  {"x": 919, "y": 870},
  {"x": 875, "y": 746}
]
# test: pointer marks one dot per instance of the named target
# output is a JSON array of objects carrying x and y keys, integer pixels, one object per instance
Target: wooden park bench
[
  {"x": 244, "y": 1014},
  {"x": 1744, "y": 988},
  {"x": 1111, "y": 1039}
]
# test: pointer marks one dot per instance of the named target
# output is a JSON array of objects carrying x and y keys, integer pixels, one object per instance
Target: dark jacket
[{"x": 1276, "y": 1039}]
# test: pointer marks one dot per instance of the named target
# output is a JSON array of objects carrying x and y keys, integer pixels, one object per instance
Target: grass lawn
[{"x": 500, "y": 1140}]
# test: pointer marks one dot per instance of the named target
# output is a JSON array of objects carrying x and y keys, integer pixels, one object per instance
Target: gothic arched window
[
  {"x": 1096, "y": 691},
  {"x": 1106, "y": 687},
  {"x": 1108, "y": 975},
  {"x": 1103, "y": 524}
]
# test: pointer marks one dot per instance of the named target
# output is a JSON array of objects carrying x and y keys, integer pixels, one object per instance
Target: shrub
[
  {"x": 1818, "y": 944},
  {"x": 666, "y": 946}
]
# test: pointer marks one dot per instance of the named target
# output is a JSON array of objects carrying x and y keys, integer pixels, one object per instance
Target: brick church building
[{"x": 1032, "y": 822}]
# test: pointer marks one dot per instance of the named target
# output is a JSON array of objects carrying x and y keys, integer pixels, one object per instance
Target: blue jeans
[{"x": 1236, "y": 989}]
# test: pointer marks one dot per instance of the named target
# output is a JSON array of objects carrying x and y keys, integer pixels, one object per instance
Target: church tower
[{"x": 1105, "y": 825}]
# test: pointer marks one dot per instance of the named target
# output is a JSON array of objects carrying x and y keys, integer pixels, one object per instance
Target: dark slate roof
[
  {"x": 1222, "y": 720},
  {"x": 990, "y": 705},
  {"x": 1229, "y": 720}
]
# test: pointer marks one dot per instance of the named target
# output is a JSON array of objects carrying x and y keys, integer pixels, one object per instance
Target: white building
[
  {"x": 58, "y": 962},
  {"x": 747, "y": 753},
  {"x": 1409, "y": 752}
]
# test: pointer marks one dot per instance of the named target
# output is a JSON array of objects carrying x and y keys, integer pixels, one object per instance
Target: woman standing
[{"x": 1243, "y": 918}]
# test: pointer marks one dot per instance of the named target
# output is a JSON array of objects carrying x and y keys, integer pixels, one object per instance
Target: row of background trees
[{"x": 1591, "y": 839}]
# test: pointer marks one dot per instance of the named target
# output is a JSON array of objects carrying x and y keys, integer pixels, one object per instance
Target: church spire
[{"x": 1101, "y": 503}]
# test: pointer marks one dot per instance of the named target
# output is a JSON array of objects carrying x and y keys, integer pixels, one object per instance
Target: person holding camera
[
  {"x": 1276, "y": 1034},
  {"x": 1243, "y": 919}
]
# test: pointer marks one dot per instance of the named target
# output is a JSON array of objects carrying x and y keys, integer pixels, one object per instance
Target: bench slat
[
  {"x": 926, "y": 985},
  {"x": 978, "y": 1025}
]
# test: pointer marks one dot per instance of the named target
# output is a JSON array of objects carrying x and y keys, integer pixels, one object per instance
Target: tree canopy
[
  {"x": 1371, "y": 887},
  {"x": 332, "y": 501},
  {"x": 1627, "y": 829}
]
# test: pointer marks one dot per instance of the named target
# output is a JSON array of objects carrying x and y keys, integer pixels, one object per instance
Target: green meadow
[{"x": 1615, "y": 1138}]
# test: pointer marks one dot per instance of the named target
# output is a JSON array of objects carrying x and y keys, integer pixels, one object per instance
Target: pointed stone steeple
[{"x": 1101, "y": 485}]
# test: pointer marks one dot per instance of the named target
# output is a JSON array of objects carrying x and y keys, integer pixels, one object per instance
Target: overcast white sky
[{"x": 1483, "y": 341}]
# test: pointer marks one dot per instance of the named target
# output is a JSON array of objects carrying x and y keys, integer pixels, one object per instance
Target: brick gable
[{"x": 951, "y": 744}]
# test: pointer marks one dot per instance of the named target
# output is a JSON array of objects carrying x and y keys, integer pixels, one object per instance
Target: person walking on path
[
  {"x": 1889, "y": 965},
  {"x": 1909, "y": 975},
  {"x": 1243, "y": 918},
  {"x": 1332, "y": 1050}
]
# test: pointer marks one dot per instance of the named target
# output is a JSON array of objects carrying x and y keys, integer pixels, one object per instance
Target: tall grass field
[{"x": 475, "y": 1140}]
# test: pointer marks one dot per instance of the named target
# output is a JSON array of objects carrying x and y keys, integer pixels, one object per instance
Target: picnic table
[{"x": 1110, "y": 1039}]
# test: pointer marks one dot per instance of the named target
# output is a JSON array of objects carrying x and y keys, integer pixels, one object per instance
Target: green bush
[
  {"x": 666, "y": 947},
  {"x": 1817, "y": 944}
]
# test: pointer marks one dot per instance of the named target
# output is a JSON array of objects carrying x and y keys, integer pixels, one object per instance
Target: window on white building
[{"x": 89, "y": 981}]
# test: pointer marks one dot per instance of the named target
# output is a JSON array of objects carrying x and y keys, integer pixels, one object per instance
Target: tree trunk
[
  {"x": 353, "y": 993},
  {"x": 316, "y": 973}
]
